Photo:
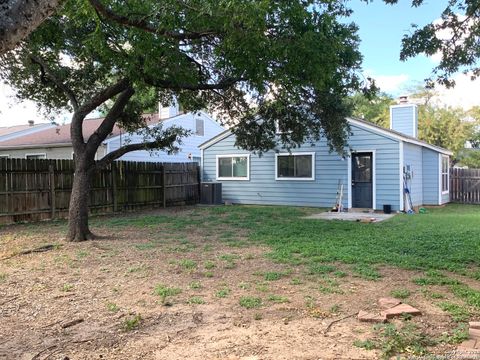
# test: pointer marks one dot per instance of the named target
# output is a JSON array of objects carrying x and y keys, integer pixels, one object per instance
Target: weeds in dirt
[
  {"x": 320, "y": 268},
  {"x": 132, "y": 323},
  {"x": 250, "y": 302},
  {"x": 335, "y": 309},
  {"x": 278, "y": 299},
  {"x": 187, "y": 264},
  {"x": 262, "y": 287},
  {"x": 457, "y": 336},
  {"x": 67, "y": 287},
  {"x": 434, "y": 277},
  {"x": 223, "y": 293},
  {"x": 208, "y": 274},
  {"x": 3, "y": 277},
  {"x": 195, "y": 285},
  {"x": 391, "y": 340},
  {"x": 366, "y": 271},
  {"x": 400, "y": 293},
  {"x": 457, "y": 312},
  {"x": 244, "y": 286},
  {"x": 196, "y": 300},
  {"x": 112, "y": 307},
  {"x": 296, "y": 281},
  {"x": 470, "y": 296},
  {"x": 431, "y": 294},
  {"x": 273, "y": 275},
  {"x": 145, "y": 246},
  {"x": 209, "y": 265},
  {"x": 165, "y": 291},
  {"x": 257, "y": 316}
]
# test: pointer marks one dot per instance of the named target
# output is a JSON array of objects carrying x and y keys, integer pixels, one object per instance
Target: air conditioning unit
[{"x": 211, "y": 193}]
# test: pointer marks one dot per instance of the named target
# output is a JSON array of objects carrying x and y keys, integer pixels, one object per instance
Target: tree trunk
[{"x": 78, "y": 229}]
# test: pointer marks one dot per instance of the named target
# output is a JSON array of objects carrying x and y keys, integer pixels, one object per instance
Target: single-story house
[
  {"x": 380, "y": 165},
  {"x": 53, "y": 141}
]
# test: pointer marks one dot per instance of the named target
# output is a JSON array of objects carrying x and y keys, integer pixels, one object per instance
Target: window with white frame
[
  {"x": 35, "y": 156},
  {"x": 445, "y": 170},
  {"x": 233, "y": 167},
  {"x": 295, "y": 166},
  {"x": 199, "y": 127}
]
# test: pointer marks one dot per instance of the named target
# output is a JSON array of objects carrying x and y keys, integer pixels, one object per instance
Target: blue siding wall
[
  {"x": 404, "y": 119},
  {"x": 413, "y": 157},
  {"x": 262, "y": 188},
  {"x": 189, "y": 145},
  {"x": 430, "y": 177}
]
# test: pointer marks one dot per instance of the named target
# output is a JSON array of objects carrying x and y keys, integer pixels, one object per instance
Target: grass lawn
[{"x": 258, "y": 267}]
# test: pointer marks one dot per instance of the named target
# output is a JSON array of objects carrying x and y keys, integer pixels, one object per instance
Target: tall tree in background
[
  {"x": 375, "y": 109},
  {"x": 294, "y": 62}
]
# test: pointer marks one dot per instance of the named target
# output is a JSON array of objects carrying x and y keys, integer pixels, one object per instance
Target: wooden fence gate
[
  {"x": 465, "y": 186},
  {"x": 32, "y": 190}
]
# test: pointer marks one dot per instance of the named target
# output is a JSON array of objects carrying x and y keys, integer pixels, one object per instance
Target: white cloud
[
  {"x": 464, "y": 94},
  {"x": 13, "y": 112},
  {"x": 390, "y": 83}
]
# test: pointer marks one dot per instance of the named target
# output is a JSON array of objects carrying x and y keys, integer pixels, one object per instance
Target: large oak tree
[{"x": 254, "y": 63}]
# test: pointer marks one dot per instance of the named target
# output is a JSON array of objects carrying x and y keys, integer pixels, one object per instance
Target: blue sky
[{"x": 381, "y": 28}]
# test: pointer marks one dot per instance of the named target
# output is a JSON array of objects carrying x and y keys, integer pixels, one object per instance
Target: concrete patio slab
[{"x": 351, "y": 216}]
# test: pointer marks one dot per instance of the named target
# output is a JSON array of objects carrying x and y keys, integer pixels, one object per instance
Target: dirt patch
[{"x": 163, "y": 291}]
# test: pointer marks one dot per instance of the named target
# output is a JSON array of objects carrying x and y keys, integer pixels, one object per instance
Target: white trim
[
  {"x": 414, "y": 128},
  {"x": 400, "y": 175},
  {"x": 36, "y": 154},
  {"x": 6, "y": 156},
  {"x": 216, "y": 139},
  {"x": 448, "y": 175},
  {"x": 247, "y": 178},
  {"x": 439, "y": 179},
  {"x": 391, "y": 118},
  {"x": 312, "y": 178},
  {"x": 391, "y": 135},
  {"x": 374, "y": 176},
  {"x": 201, "y": 165}
]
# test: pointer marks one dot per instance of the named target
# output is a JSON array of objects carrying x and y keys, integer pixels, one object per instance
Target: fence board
[
  {"x": 37, "y": 189},
  {"x": 465, "y": 186}
]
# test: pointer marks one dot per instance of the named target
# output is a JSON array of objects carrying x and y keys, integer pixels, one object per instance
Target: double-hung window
[
  {"x": 233, "y": 167},
  {"x": 445, "y": 170},
  {"x": 295, "y": 166}
]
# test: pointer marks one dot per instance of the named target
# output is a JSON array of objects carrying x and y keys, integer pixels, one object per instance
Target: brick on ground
[
  {"x": 388, "y": 302},
  {"x": 399, "y": 310},
  {"x": 365, "y": 316},
  {"x": 474, "y": 324}
]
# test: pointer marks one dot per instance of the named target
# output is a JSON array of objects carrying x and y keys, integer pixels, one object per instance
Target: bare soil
[{"x": 77, "y": 300}]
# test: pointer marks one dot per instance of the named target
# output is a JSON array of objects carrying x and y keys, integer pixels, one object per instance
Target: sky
[{"x": 381, "y": 28}]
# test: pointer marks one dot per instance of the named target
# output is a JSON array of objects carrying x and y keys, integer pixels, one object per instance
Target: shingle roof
[
  {"x": 61, "y": 133},
  {"x": 7, "y": 130}
]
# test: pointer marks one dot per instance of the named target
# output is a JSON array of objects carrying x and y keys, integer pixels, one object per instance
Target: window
[
  {"x": 297, "y": 166},
  {"x": 233, "y": 167},
  {"x": 199, "y": 127},
  {"x": 35, "y": 156},
  {"x": 445, "y": 168}
]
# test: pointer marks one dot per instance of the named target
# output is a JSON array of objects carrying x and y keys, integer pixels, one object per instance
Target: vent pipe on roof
[{"x": 31, "y": 122}]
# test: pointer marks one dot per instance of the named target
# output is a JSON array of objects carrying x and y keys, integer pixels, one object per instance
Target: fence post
[
  {"x": 113, "y": 172},
  {"x": 51, "y": 172}
]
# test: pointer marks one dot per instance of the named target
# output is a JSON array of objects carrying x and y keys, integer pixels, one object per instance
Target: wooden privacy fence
[
  {"x": 465, "y": 186},
  {"x": 32, "y": 190}
]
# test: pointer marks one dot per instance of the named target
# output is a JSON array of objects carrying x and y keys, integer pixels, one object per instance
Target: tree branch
[
  {"x": 108, "y": 123},
  {"x": 76, "y": 131},
  {"x": 48, "y": 75},
  {"x": 167, "y": 84},
  {"x": 19, "y": 18},
  {"x": 159, "y": 144},
  {"x": 145, "y": 26}
]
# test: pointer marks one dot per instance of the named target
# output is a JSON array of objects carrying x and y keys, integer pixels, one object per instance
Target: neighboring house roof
[
  {"x": 361, "y": 123},
  {"x": 60, "y": 135},
  {"x": 10, "y": 132}
]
